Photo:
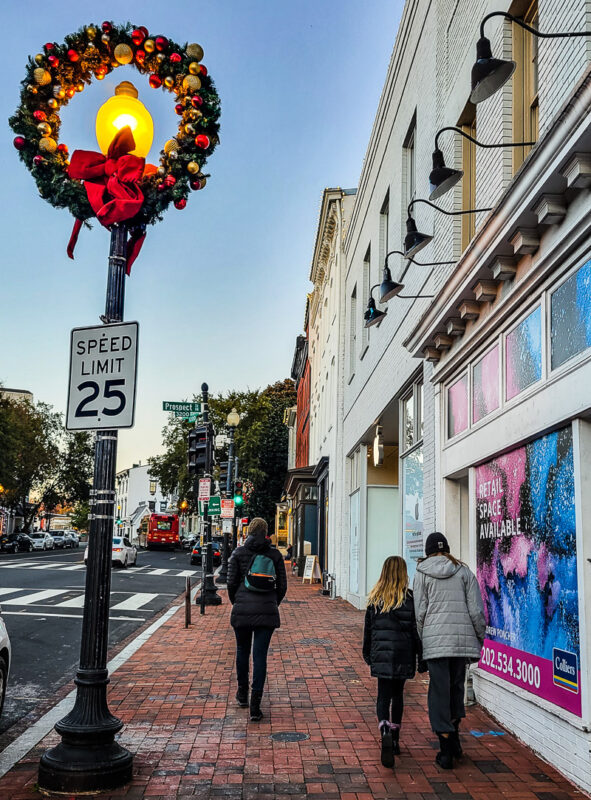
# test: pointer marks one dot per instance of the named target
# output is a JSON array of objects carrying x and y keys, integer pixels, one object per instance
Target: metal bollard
[{"x": 187, "y": 602}]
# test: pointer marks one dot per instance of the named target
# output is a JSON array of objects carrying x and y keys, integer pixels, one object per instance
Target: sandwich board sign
[
  {"x": 312, "y": 570},
  {"x": 103, "y": 371}
]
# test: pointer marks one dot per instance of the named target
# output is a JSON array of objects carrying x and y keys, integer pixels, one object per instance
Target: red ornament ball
[
  {"x": 202, "y": 141},
  {"x": 180, "y": 203},
  {"x": 196, "y": 184},
  {"x": 155, "y": 81},
  {"x": 202, "y": 70},
  {"x": 40, "y": 116},
  {"x": 38, "y": 160},
  {"x": 140, "y": 56},
  {"x": 49, "y": 45},
  {"x": 144, "y": 30},
  {"x": 137, "y": 37},
  {"x": 196, "y": 101},
  {"x": 19, "y": 142},
  {"x": 62, "y": 148},
  {"x": 70, "y": 92},
  {"x": 179, "y": 108},
  {"x": 161, "y": 43},
  {"x": 162, "y": 186},
  {"x": 53, "y": 61},
  {"x": 73, "y": 56},
  {"x": 175, "y": 58},
  {"x": 107, "y": 27},
  {"x": 170, "y": 180}
]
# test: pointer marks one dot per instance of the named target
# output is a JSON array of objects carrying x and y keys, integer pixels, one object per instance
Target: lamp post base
[{"x": 79, "y": 768}]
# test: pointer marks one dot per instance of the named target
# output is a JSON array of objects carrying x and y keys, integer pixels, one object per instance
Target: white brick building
[{"x": 480, "y": 396}]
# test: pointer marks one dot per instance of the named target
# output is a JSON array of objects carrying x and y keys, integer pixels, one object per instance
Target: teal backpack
[{"x": 261, "y": 575}]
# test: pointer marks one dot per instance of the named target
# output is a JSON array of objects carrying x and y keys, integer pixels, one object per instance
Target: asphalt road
[{"x": 42, "y": 596}]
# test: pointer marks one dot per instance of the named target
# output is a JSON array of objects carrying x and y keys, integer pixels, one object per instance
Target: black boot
[
  {"x": 395, "y": 739},
  {"x": 256, "y": 714},
  {"x": 456, "y": 745},
  {"x": 444, "y": 756},
  {"x": 242, "y": 696},
  {"x": 387, "y": 745}
]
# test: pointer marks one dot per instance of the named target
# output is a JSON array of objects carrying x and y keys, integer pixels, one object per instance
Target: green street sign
[
  {"x": 180, "y": 408},
  {"x": 188, "y": 417},
  {"x": 215, "y": 506}
]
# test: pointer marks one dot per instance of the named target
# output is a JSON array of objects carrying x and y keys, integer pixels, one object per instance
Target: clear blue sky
[{"x": 219, "y": 288}]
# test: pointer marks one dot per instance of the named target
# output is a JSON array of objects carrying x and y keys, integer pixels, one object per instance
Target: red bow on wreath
[{"x": 112, "y": 186}]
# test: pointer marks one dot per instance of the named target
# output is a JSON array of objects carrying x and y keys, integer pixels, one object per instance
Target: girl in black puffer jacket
[{"x": 391, "y": 646}]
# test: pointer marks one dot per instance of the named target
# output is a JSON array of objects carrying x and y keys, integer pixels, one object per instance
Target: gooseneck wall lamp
[
  {"x": 442, "y": 178},
  {"x": 414, "y": 239},
  {"x": 488, "y": 73},
  {"x": 373, "y": 316},
  {"x": 390, "y": 288}
]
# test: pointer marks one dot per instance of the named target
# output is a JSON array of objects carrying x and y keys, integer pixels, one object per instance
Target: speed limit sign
[{"x": 103, "y": 368}]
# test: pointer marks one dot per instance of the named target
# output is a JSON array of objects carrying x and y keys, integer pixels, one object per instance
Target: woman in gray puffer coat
[{"x": 450, "y": 621}]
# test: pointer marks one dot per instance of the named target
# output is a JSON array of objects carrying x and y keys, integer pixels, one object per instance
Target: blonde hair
[{"x": 391, "y": 589}]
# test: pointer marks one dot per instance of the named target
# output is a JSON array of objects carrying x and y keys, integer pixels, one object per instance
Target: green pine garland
[{"x": 94, "y": 46}]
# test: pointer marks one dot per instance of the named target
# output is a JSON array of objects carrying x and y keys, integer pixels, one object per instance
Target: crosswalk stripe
[
  {"x": 134, "y": 602},
  {"x": 73, "y": 602},
  {"x": 187, "y": 573},
  {"x": 157, "y": 572},
  {"x": 18, "y": 565},
  {"x": 9, "y": 591},
  {"x": 57, "y": 565},
  {"x": 36, "y": 597},
  {"x": 76, "y": 566}
]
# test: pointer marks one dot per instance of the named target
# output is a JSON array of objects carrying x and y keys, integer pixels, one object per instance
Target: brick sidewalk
[{"x": 176, "y": 697}]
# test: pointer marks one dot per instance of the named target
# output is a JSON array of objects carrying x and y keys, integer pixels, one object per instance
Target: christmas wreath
[{"x": 53, "y": 78}]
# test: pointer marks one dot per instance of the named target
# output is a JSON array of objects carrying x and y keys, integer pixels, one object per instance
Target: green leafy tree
[
  {"x": 79, "y": 516},
  {"x": 170, "y": 469}
]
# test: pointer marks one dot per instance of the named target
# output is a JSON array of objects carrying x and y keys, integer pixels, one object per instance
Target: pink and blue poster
[{"x": 527, "y": 569}]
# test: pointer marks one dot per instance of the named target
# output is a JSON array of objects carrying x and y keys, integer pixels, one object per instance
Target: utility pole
[{"x": 209, "y": 595}]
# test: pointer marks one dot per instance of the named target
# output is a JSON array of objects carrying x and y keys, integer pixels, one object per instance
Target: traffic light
[
  {"x": 238, "y": 498},
  {"x": 223, "y": 475},
  {"x": 200, "y": 450}
]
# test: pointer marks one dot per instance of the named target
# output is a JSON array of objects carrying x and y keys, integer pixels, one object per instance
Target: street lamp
[
  {"x": 488, "y": 73},
  {"x": 414, "y": 239},
  {"x": 232, "y": 420},
  {"x": 442, "y": 178},
  {"x": 125, "y": 110},
  {"x": 88, "y": 758}
]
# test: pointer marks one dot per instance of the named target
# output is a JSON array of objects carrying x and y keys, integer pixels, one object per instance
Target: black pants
[
  {"x": 390, "y": 691},
  {"x": 244, "y": 643},
  {"x": 446, "y": 692}
]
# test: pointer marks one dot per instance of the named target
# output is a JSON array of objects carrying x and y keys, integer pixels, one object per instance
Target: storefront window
[
  {"x": 408, "y": 416},
  {"x": 412, "y": 489},
  {"x": 571, "y": 317},
  {"x": 523, "y": 354},
  {"x": 485, "y": 385},
  {"x": 457, "y": 407}
]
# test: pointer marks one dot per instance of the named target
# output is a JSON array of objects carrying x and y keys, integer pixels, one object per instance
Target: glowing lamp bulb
[{"x": 121, "y": 110}]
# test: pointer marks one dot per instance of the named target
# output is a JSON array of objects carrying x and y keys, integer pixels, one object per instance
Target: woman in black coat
[
  {"x": 255, "y": 614},
  {"x": 391, "y": 646}
]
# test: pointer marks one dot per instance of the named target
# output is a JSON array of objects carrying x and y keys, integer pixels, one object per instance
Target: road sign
[
  {"x": 226, "y": 526},
  {"x": 204, "y": 488},
  {"x": 103, "y": 369},
  {"x": 214, "y": 509},
  {"x": 181, "y": 408},
  {"x": 228, "y": 508}
]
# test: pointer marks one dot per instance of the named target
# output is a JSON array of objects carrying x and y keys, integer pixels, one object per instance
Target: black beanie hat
[{"x": 436, "y": 543}]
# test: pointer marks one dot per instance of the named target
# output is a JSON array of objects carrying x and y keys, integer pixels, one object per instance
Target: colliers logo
[{"x": 565, "y": 671}]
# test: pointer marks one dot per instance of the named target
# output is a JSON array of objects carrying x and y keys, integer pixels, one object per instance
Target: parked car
[
  {"x": 188, "y": 541},
  {"x": 75, "y": 539},
  {"x": 124, "y": 553},
  {"x": 217, "y": 552},
  {"x": 41, "y": 541},
  {"x": 60, "y": 540},
  {"x": 15, "y": 542},
  {"x": 5, "y": 657}
]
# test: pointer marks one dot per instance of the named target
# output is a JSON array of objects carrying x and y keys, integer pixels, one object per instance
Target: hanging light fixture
[
  {"x": 373, "y": 316},
  {"x": 488, "y": 73},
  {"x": 414, "y": 239},
  {"x": 442, "y": 178},
  {"x": 390, "y": 288}
]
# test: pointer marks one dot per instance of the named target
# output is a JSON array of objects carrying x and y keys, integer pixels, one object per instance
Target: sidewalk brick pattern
[{"x": 191, "y": 740}]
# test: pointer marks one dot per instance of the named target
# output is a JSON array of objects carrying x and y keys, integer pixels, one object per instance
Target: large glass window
[
  {"x": 523, "y": 354},
  {"x": 570, "y": 315},
  {"x": 485, "y": 385},
  {"x": 412, "y": 493},
  {"x": 457, "y": 407},
  {"x": 408, "y": 422}
]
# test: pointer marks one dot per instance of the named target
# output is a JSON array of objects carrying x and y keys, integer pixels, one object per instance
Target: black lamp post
[
  {"x": 233, "y": 420},
  {"x": 414, "y": 239},
  {"x": 488, "y": 73},
  {"x": 88, "y": 759},
  {"x": 442, "y": 178}
]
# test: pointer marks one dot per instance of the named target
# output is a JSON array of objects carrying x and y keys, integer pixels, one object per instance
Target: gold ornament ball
[
  {"x": 90, "y": 47},
  {"x": 171, "y": 146},
  {"x": 99, "y": 76},
  {"x": 149, "y": 46},
  {"x": 195, "y": 51},
  {"x": 173, "y": 155},
  {"x": 160, "y": 58},
  {"x": 47, "y": 145},
  {"x": 91, "y": 32},
  {"x": 59, "y": 92},
  {"x": 161, "y": 171},
  {"x": 39, "y": 58},
  {"x": 202, "y": 180},
  {"x": 105, "y": 38},
  {"x": 191, "y": 83},
  {"x": 196, "y": 114},
  {"x": 80, "y": 87},
  {"x": 123, "y": 54},
  {"x": 193, "y": 167},
  {"x": 169, "y": 82},
  {"x": 190, "y": 129},
  {"x": 44, "y": 128},
  {"x": 41, "y": 76},
  {"x": 32, "y": 89},
  {"x": 53, "y": 103},
  {"x": 194, "y": 68}
]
